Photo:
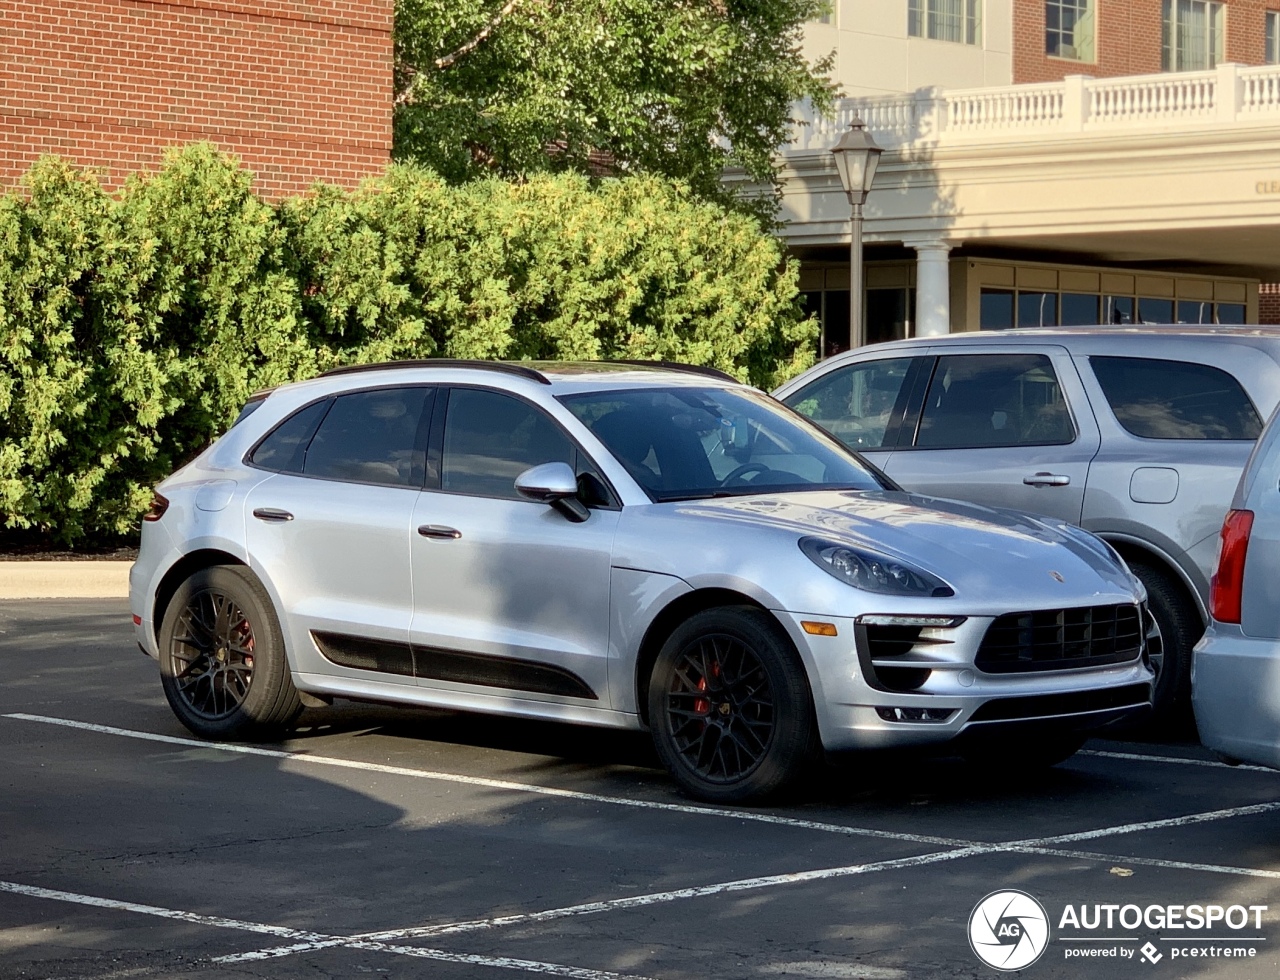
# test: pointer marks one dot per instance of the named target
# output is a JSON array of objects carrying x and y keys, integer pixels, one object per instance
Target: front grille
[{"x": 1061, "y": 639}]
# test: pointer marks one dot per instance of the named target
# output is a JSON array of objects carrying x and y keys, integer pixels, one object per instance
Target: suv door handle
[
  {"x": 439, "y": 531},
  {"x": 272, "y": 514},
  {"x": 1046, "y": 480}
]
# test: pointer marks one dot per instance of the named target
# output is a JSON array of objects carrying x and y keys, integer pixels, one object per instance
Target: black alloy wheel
[
  {"x": 211, "y": 654},
  {"x": 729, "y": 706},
  {"x": 222, "y": 657},
  {"x": 720, "y": 708}
]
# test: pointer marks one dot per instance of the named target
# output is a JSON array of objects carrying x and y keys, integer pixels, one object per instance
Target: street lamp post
[{"x": 857, "y": 157}]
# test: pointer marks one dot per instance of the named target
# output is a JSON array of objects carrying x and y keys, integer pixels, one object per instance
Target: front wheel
[
  {"x": 730, "y": 707},
  {"x": 222, "y": 659}
]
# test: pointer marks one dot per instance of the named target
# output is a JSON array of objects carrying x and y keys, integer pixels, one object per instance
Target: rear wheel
[
  {"x": 730, "y": 707},
  {"x": 222, "y": 659},
  {"x": 1177, "y": 628}
]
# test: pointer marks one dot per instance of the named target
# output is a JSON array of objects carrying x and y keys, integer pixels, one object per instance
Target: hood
[{"x": 969, "y": 546}]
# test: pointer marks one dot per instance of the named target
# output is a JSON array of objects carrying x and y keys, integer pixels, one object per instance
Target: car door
[
  {"x": 863, "y": 403},
  {"x": 1005, "y": 426},
  {"x": 331, "y": 529},
  {"x": 511, "y": 598}
]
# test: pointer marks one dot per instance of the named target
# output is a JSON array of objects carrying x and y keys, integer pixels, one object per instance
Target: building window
[
  {"x": 827, "y": 16},
  {"x": 1069, "y": 29},
  {"x": 1193, "y": 35},
  {"x": 999, "y": 309},
  {"x": 1273, "y": 37},
  {"x": 945, "y": 20}
]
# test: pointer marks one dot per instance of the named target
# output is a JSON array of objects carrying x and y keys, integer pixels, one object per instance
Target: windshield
[{"x": 685, "y": 443}]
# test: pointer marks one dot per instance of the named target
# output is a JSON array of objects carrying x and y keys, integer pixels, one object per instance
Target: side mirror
[{"x": 554, "y": 484}]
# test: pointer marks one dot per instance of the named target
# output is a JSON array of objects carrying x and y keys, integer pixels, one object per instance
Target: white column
[{"x": 933, "y": 289}]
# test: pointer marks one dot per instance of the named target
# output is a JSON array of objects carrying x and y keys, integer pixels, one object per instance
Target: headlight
[{"x": 871, "y": 572}]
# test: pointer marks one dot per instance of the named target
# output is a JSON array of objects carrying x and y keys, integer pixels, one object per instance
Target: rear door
[
  {"x": 332, "y": 528},
  {"x": 1007, "y": 426}
]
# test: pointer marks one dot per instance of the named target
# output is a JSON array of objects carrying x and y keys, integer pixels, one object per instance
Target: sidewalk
[{"x": 64, "y": 579}]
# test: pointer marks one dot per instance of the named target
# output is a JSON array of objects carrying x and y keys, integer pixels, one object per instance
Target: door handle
[
  {"x": 439, "y": 531},
  {"x": 273, "y": 515},
  {"x": 1046, "y": 480}
]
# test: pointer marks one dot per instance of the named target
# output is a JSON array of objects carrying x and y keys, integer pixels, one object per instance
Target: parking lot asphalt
[{"x": 409, "y": 843}]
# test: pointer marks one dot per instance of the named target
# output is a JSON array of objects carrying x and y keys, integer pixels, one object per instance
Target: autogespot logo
[{"x": 1008, "y": 930}]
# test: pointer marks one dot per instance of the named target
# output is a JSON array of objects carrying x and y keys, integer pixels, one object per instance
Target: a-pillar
[{"x": 933, "y": 288}]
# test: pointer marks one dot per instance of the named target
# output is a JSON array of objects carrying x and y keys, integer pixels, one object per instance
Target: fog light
[{"x": 933, "y": 715}]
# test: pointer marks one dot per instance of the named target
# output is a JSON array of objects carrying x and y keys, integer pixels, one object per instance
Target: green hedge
[{"x": 134, "y": 325}]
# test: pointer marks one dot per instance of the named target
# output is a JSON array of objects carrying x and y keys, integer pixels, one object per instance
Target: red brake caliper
[{"x": 246, "y": 636}]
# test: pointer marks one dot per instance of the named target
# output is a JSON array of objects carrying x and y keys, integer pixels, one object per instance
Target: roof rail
[
  {"x": 505, "y": 367},
  {"x": 710, "y": 372}
]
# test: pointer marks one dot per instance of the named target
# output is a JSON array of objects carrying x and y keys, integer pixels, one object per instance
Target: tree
[{"x": 677, "y": 88}]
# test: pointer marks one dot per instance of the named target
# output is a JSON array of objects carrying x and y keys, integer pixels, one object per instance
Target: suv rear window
[{"x": 1155, "y": 399}]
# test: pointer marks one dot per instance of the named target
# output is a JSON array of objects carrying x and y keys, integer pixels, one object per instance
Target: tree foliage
[
  {"x": 678, "y": 88},
  {"x": 134, "y": 326}
]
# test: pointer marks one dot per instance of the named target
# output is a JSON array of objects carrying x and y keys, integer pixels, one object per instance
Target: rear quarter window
[{"x": 1158, "y": 399}]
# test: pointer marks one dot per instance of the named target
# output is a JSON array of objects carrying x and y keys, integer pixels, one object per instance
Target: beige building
[{"x": 1140, "y": 198}]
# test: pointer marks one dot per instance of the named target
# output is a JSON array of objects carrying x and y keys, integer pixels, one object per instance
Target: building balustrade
[{"x": 1227, "y": 95}]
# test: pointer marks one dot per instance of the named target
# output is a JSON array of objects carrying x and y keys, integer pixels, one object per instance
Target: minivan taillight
[
  {"x": 1227, "y": 587},
  {"x": 159, "y": 505}
]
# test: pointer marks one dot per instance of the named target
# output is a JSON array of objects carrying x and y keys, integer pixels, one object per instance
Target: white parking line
[
  {"x": 1222, "y": 869},
  {"x": 1173, "y": 759},
  {"x": 218, "y": 922},
  {"x": 500, "y": 784},
  {"x": 1135, "y": 828},
  {"x": 632, "y": 902},
  {"x": 304, "y": 942}
]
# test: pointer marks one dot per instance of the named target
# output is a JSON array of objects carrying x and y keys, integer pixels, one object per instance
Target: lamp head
[{"x": 857, "y": 156}]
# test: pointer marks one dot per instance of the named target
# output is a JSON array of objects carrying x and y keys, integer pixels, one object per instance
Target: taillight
[
  {"x": 1227, "y": 587},
  {"x": 159, "y": 505}
]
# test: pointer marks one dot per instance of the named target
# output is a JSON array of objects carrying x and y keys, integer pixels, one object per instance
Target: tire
[
  {"x": 730, "y": 707},
  {"x": 222, "y": 659},
  {"x": 1022, "y": 753},
  {"x": 1179, "y": 629}
]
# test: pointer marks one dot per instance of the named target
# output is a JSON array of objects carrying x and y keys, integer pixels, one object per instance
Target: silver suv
[
  {"x": 621, "y": 546},
  {"x": 1136, "y": 434}
]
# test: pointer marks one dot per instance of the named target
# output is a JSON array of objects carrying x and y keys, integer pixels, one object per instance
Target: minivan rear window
[{"x": 1157, "y": 399}]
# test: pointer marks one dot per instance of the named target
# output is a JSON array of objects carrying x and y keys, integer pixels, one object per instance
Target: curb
[{"x": 64, "y": 579}]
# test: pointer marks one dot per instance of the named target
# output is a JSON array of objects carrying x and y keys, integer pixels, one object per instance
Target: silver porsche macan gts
[{"x": 627, "y": 545}]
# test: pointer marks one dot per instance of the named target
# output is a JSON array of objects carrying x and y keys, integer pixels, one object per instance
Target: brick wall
[
  {"x": 1269, "y": 303},
  {"x": 1127, "y": 39},
  {"x": 299, "y": 89}
]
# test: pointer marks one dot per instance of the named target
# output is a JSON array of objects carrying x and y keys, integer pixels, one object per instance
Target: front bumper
[
  {"x": 855, "y": 712},
  {"x": 1235, "y": 691}
]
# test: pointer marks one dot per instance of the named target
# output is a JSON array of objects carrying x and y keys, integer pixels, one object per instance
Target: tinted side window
[
  {"x": 855, "y": 403},
  {"x": 1175, "y": 400},
  {"x": 372, "y": 437},
  {"x": 491, "y": 438},
  {"x": 283, "y": 450},
  {"x": 977, "y": 400}
]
